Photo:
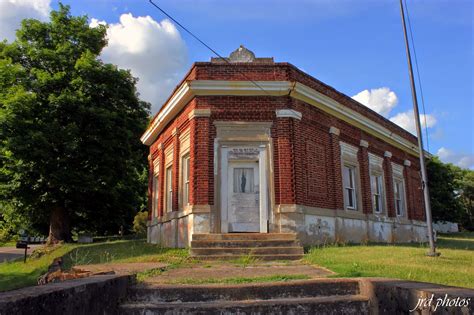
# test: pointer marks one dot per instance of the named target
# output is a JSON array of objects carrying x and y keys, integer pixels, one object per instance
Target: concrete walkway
[
  {"x": 12, "y": 253},
  {"x": 225, "y": 270}
]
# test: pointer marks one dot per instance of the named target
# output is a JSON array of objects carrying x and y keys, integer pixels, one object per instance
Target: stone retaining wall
[{"x": 88, "y": 296}]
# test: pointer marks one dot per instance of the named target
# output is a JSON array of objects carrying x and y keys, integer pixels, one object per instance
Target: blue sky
[{"x": 350, "y": 45}]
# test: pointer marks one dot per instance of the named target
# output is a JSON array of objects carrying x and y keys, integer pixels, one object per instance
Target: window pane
[
  {"x": 169, "y": 192},
  {"x": 243, "y": 180},
  {"x": 346, "y": 176}
]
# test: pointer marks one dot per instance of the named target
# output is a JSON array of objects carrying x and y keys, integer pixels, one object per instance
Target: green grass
[
  {"x": 16, "y": 274},
  {"x": 8, "y": 244},
  {"x": 454, "y": 267},
  {"x": 238, "y": 280}
]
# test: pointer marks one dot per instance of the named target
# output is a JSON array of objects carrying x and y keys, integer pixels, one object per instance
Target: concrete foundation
[
  {"x": 316, "y": 226},
  {"x": 313, "y": 226}
]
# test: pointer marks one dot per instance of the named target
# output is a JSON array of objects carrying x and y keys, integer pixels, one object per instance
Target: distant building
[{"x": 247, "y": 144}]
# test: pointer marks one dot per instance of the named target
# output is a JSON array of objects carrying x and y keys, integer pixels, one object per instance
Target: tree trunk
[{"x": 59, "y": 226}]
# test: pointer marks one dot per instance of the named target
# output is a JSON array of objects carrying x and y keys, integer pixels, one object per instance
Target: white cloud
[
  {"x": 406, "y": 120},
  {"x": 153, "y": 51},
  {"x": 459, "y": 159},
  {"x": 381, "y": 100},
  {"x": 12, "y": 12}
]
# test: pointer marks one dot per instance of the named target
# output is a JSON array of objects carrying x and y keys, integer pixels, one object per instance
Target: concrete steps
[
  {"x": 321, "y": 296},
  {"x": 263, "y": 246}
]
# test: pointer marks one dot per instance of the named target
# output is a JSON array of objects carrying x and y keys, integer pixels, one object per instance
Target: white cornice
[{"x": 189, "y": 89}]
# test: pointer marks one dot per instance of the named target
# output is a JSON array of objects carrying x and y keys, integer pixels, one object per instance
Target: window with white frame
[
  {"x": 398, "y": 189},
  {"x": 184, "y": 169},
  {"x": 399, "y": 197},
  {"x": 155, "y": 188},
  {"x": 185, "y": 162},
  {"x": 350, "y": 192},
  {"x": 350, "y": 173},
  {"x": 376, "y": 184},
  {"x": 169, "y": 189}
]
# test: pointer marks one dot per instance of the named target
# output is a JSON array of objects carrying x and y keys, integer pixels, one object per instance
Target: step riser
[
  {"x": 244, "y": 236},
  {"x": 345, "y": 307},
  {"x": 246, "y": 251},
  {"x": 274, "y": 291},
  {"x": 258, "y": 257},
  {"x": 244, "y": 243}
]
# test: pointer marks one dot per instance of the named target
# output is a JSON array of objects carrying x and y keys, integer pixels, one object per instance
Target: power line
[
  {"x": 205, "y": 45},
  {"x": 418, "y": 76}
]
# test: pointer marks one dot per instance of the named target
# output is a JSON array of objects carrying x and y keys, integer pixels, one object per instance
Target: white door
[{"x": 243, "y": 197}]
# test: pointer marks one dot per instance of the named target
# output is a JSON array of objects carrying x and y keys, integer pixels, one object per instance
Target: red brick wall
[{"x": 306, "y": 157}]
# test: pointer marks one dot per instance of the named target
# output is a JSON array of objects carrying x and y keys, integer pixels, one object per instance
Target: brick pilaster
[
  {"x": 150, "y": 188},
  {"x": 286, "y": 165},
  {"x": 408, "y": 189},
  {"x": 387, "y": 167},
  {"x": 202, "y": 162},
  {"x": 337, "y": 191},
  {"x": 365, "y": 177}
]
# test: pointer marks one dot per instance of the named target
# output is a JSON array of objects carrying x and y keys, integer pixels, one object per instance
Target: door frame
[{"x": 263, "y": 184}]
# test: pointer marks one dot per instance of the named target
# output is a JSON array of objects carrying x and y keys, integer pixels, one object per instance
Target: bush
[{"x": 139, "y": 223}]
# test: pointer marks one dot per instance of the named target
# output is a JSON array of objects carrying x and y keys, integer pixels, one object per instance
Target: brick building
[{"x": 247, "y": 144}]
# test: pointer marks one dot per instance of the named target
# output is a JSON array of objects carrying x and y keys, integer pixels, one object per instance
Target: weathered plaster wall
[
  {"x": 316, "y": 226},
  {"x": 178, "y": 231}
]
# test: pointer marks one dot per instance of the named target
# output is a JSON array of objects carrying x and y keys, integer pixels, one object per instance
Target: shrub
[{"x": 139, "y": 223}]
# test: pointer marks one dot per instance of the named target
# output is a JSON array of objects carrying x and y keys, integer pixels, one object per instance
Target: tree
[
  {"x": 445, "y": 204},
  {"x": 466, "y": 184},
  {"x": 69, "y": 129}
]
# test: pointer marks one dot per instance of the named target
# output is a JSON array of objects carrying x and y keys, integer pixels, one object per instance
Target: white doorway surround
[{"x": 244, "y": 188}]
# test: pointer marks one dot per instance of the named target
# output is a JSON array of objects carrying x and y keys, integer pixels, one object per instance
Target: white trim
[
  {"x": 407, "y": 163},
  {"x": 199, "y": 112},
  {"x": 397, "y": 170},
  {"x": 334, "y": 130},
  {"x": 364, "y": 143},
  {"x": 263, "y": 198},
  {"x": 387, "y": 154},
  {"x": 349, "y": 150},
  {"x": 189, "y": 89},
  {"x": 375, "y": 160},
  {"x": 288, "y": 113}
]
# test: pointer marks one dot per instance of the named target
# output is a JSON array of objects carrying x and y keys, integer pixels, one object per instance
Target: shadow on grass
[
  {"x": 125, "y": 251},
  {"x": 15, "y": 274}
]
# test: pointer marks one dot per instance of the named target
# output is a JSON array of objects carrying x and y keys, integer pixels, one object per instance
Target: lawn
[
  {"x": 17, "y": 274},
  {"x": 454, "y": 267}
]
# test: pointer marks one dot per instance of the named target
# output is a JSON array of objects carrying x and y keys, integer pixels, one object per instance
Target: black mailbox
[{"x": 21, "y": 245}]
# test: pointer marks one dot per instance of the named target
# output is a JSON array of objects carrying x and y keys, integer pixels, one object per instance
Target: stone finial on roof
[{"x": 242, "y": 54}]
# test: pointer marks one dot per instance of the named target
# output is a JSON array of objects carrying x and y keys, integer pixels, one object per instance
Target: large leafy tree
[
  {"x": 451, "y": 193},
  {"x": 443, "y": 191},
  {"x": 69, "y": 129}
]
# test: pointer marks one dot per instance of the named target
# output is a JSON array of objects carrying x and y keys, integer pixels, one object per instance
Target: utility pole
[{"x": 432, "y": 251}]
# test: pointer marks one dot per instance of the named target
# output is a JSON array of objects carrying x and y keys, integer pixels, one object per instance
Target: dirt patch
[
  {"x": 203, "y": 271},
  {"x": 119, "y": 268}
]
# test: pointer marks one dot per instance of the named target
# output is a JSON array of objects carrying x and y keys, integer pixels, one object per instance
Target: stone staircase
[
  {"x": 263, "y": 246},
  {"x": 320, "y": 296}
]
